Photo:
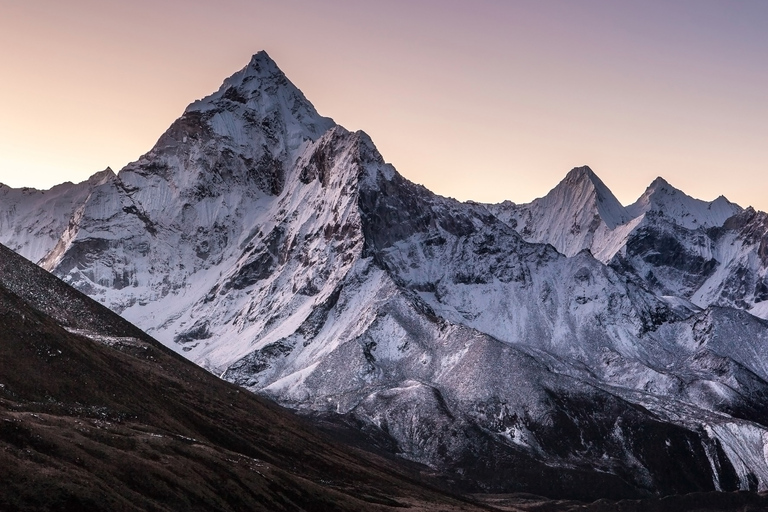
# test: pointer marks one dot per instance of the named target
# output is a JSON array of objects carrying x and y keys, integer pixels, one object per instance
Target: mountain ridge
[{"x": 689, "y": 212}]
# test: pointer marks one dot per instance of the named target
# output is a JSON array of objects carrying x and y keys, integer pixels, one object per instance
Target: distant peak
[
  {"x": 660, "y": 190},
  {"x": 582, "y": 188},
  {"x": 683, "y": 209},
  {"x": 261, "y": 64},
  {"x": 260, "y": 74},
  {"x": 657, "y": 194},
  {"x": 578, "y": 174},
  {"x": 585, "y": 177},
  {"x": 102, "y": 176},
  {"x": 661, "y": 185},
  {"x": 580, "y": 177}
]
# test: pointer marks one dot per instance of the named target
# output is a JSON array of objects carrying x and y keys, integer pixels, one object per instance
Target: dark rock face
[
  {"x": 397, "y": 209},
  {"x": 638, "y": 455},
  {"x": 260, "y": 263},
  {"x": 657, "y": 258},
  {"x": 199, "y": 331},
  {"x": 664, "y": 250}
]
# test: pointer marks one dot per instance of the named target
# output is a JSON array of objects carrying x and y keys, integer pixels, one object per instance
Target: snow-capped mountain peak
[
  {"x": 260, "y": 75},
  {"x": 261, "y": 65},
  {"x": 577, "y": 207},
  {"x": 581, "y": 174},
  {"x": 659, "y": 183},
  {"x": 682, "y": 209},
  {"x": 261, "y": 96},
  {"x": 581, "y": 183},
  {"x": 101, "y": 177}
]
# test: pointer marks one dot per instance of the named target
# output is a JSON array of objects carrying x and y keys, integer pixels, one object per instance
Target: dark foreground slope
[{"x": 96, "y": 415}]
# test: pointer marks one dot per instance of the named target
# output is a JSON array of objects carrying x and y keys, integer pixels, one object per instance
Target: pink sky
[{"x": 483, "y": 100}]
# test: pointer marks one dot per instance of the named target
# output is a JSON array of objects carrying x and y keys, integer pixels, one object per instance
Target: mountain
[
  {"x": 571, "y": 347},
  {"x": 701, "y": 253},
  {"x": 663, "y": 199},
  {"x": 96, "y": 415},
  {"x": 580, "y": 213}
]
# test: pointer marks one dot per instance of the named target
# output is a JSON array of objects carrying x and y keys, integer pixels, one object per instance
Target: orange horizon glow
[{"x": 486, "y": 101}]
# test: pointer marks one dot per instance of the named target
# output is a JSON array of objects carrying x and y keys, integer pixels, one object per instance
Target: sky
[{"x": 485, "y": 100}]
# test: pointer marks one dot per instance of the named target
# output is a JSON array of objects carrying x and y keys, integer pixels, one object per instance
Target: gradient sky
[{"x": 484, "y": 100}]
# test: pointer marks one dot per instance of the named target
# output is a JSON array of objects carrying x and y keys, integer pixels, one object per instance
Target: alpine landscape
[{"x": 571, "y": 353}]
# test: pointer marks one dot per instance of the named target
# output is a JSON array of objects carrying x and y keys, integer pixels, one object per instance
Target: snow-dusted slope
[
  {"x": 662, "y": 198},
  {"x": 741, "y": 278},
  {"x": 705, "y": 252},
  {"x": 31, "y": 221},
  {"x": 281, "y": 252}
]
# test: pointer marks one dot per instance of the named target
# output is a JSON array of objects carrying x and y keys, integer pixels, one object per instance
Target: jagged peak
[
  {"x": 338, "y": 142},
  {"x": 102, "y": 177},
  {"x": 260, "y": 70},
  {"x": 261, "y": 64},
  {"x": 580, "y": 187},
  {"x": 659, "y": 188},
  {"x": 261, "y": 85},
  {"x": 586, "y": 178},
  {"x": 579, "y": 174},
  {"x": 684, "y": 210},
  {"x": 257, "y": 107}
]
